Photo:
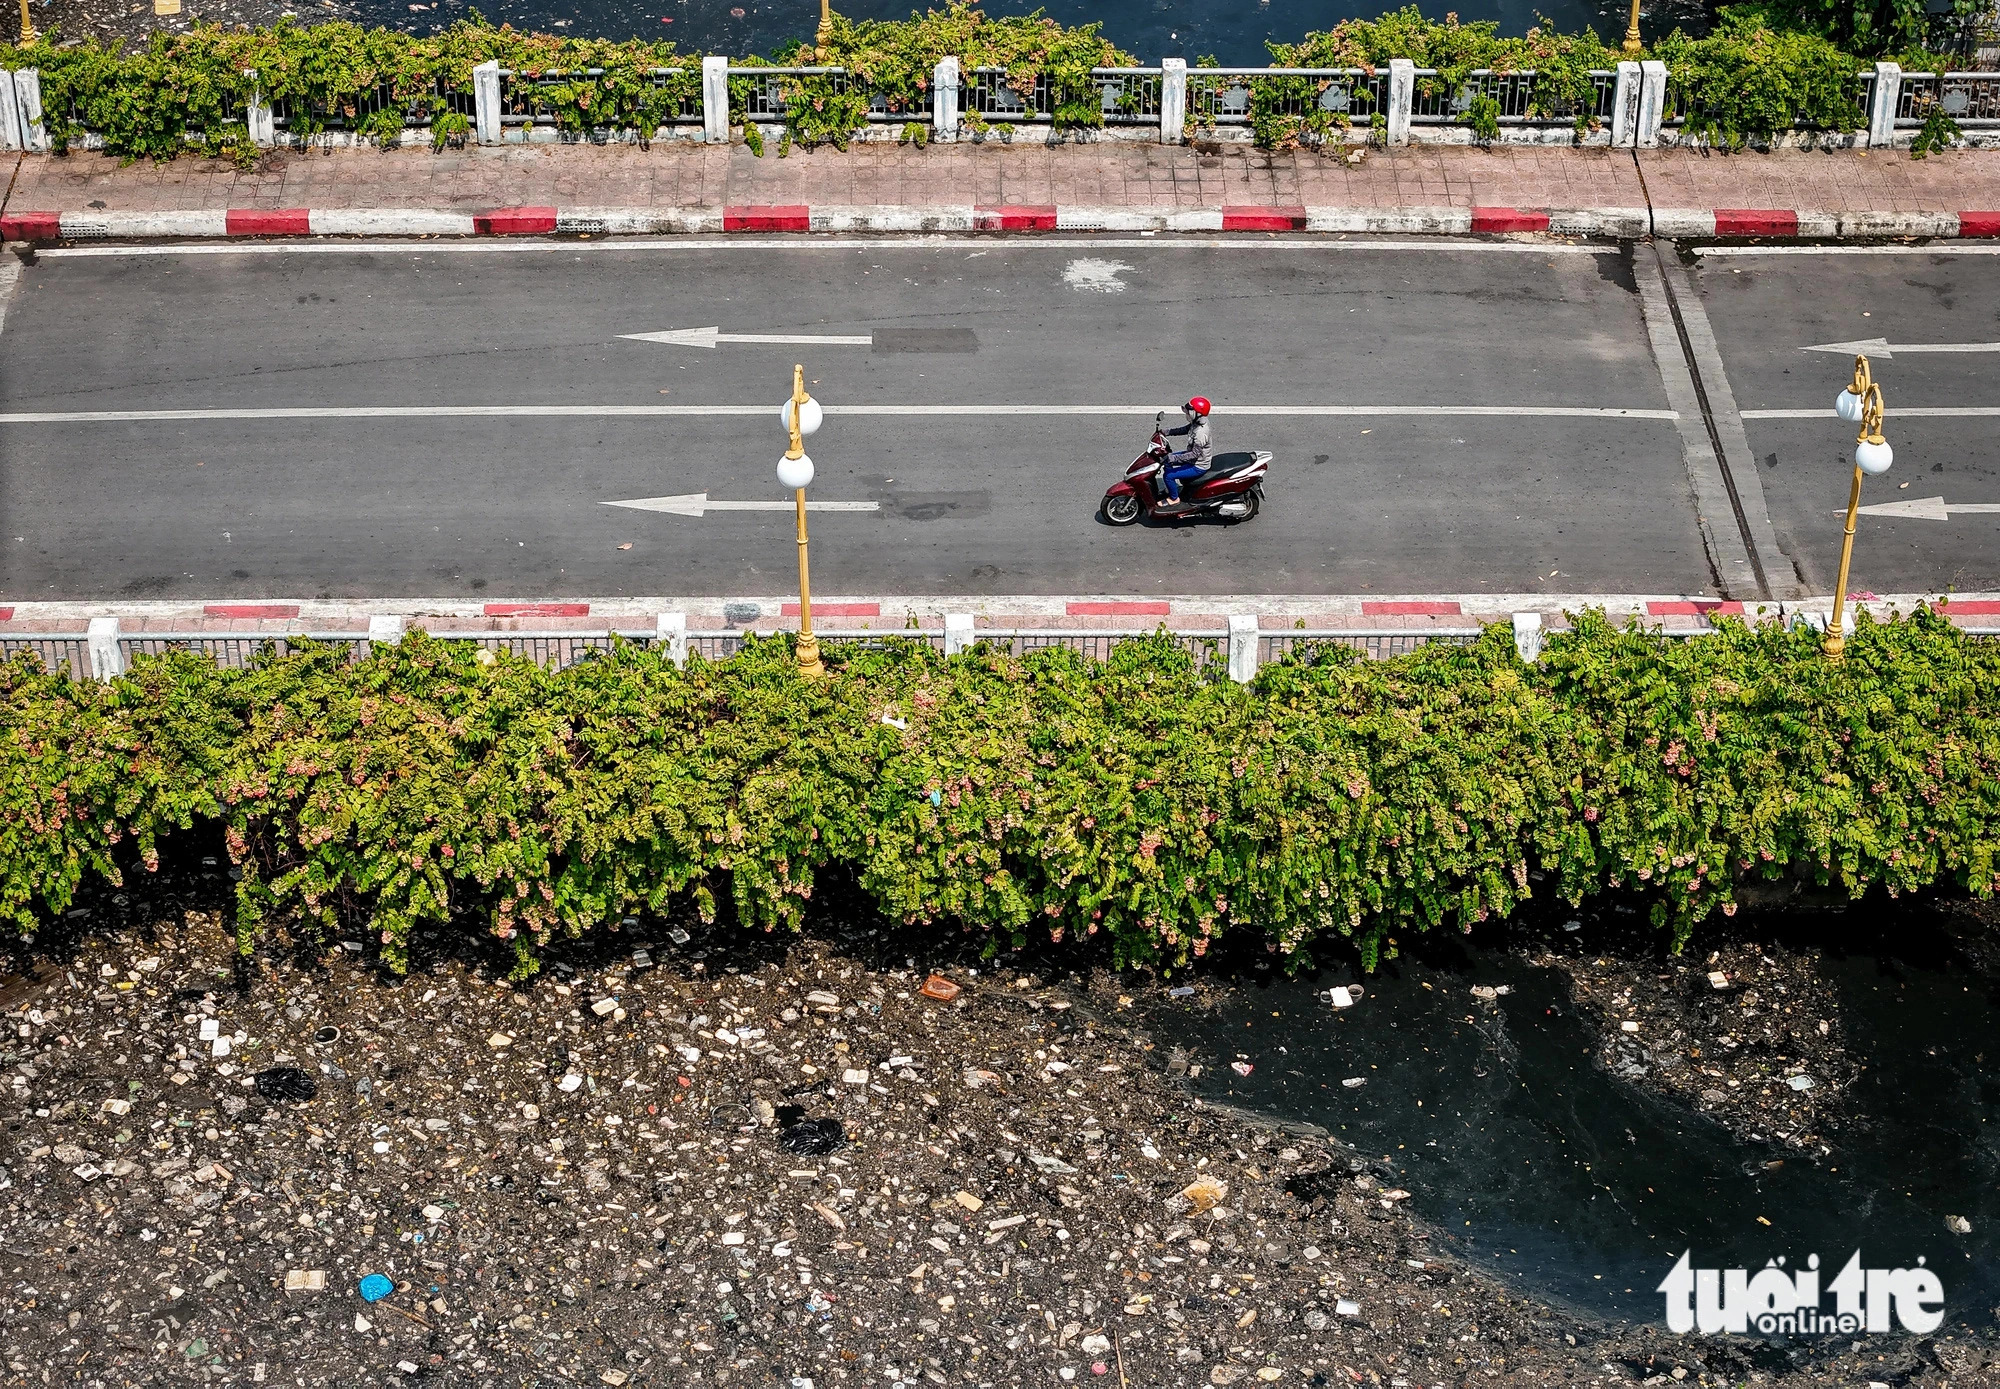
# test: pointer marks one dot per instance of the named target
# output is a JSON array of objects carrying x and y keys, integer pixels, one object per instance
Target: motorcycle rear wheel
[
  {"x": 1254, "y": 502},
  {"x": 1121, "y": 510}
]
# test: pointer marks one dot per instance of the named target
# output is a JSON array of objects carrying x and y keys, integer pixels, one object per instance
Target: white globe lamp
[
  {"x": 1873, "y": 458},
  {"x": 795, "y": 473},
  {"x": 1847, "y": 405},
  {"x": 810, "y": 416}
]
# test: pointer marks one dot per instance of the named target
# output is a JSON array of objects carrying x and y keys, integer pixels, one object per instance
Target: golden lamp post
[
  {"x": 802, "y": 416},
  {"x": 1632, "y": 44},
  {"x": 1860, "y": 403},
  {"x": 825, "y": 29},
  {"x": 27, "y": 25}
]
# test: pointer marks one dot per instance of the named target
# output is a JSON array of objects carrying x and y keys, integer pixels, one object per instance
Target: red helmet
[{"x": 1197, "y": 406}]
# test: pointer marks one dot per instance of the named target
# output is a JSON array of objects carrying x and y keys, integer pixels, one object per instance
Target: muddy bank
[{"x": 695, "y": 1157}]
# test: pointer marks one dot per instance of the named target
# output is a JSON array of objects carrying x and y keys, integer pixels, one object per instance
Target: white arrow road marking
[
  {"x": 1928, "y": 509},
  {"x": 412, "y": 412},
  {"x": 709, "y": 337},
  {"x": 695, "y": 503},
  {"x": 1882, "y": 347}
]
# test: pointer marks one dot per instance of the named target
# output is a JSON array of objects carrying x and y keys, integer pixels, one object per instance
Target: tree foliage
[{"x": 1146, "y": 798}]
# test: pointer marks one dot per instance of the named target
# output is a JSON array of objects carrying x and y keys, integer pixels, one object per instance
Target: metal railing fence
[
  {"x": 767, "y": 93},
  {"x": 1436, "y": 102},
  {"x": 55, "y": 650},
  {"x": 1128, "y": 96},
  {"x": 291, "y": 115},
  {"x": 1273, "y": 647},
  {"x": 992, "y": 95},
  {"x": 1224, "y": 96},
  {"x": 1972, "y": 99},
  {"x": 527, "y": 99},
  {"x": 560, "y": 650}
]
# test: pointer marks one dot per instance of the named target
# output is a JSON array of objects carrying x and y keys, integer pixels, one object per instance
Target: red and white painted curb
[
  {"x": 542, "y": 221},
  {"x": 896, "y": 612}
]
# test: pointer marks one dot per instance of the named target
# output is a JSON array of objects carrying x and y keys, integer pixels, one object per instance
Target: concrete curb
[
  {"x": 542, "y": 221},
  {"x": 889, "y": 613}
]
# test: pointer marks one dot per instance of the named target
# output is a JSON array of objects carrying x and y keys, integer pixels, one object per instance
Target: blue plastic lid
[{"x": 375, "y": 1287}]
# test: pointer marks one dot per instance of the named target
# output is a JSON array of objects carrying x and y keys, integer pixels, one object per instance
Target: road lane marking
[
  {"x": 695, "y": 503},
  {"x": 1928, "y": 509},
  {"x": 401, "y": 412},
  {"x": 10, "y": 271},
  {"x": 1322, "y": 242},
  {"x": 1928, "y": 411},
  {"x": 1883, "y": 348},
  {"x": 709, "y": 337}
]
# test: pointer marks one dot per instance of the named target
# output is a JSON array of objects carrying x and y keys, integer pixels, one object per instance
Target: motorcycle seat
[{"x": 1223, "y": 464}]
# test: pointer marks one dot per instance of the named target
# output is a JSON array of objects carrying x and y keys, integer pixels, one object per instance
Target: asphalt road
[{"x": 1004, "y": 386}]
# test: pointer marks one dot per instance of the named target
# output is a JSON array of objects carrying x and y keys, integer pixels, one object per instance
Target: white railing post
[
  {"x": 12, "y": 137},
  {"x": 1625, "y": 107},
  {"x": 257, "y": 114},
  {"x": 107, "y": 661},
  {"x": 1243, "y": 647},
  {"x": 1402, "y": 88},
  {"x": 486, "y": 103},
  {"x": 1528, "y": 637},
  {"x": 1882, "y": 108},
  {"x": 944, "y": 100},
  {"x": 1173, "y": 100},
  {"x": 957, "y": 633},
  {"x": 28, "y": 103},
  {"x": 715, "y": 100},
  {"x": 670, "y": 630},
  {"x": 1652, "y": 105},
  {"x": 384, "y": 629}
]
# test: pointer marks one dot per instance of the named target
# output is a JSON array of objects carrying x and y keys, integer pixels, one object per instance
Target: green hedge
[
  {"x": 1752, "y": 76},
  {"x": 1147, "y": 797}
]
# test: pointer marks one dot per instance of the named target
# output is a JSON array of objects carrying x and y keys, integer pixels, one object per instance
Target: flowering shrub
[{"x": 1145, "y": 798}]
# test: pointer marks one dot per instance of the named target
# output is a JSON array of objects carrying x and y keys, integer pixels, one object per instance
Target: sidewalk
[{"x": 676, "y": 186}]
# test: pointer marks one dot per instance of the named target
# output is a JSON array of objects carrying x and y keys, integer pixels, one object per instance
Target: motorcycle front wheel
[{"x": 1121, "y": 510}]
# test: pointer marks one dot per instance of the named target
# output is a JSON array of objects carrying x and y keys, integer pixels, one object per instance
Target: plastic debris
[
  {"x": 813, "y": 1137},
  {"x": 375, "y": 1287},
  {"x": 276, "y": 1083},
  {"x": 940, "y": 988}
]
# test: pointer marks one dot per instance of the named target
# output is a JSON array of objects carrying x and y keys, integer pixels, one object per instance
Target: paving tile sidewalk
[{"x": 691, "y": 176}]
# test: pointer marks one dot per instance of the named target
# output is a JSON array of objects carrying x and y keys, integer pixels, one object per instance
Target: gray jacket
[{"x": 1199, "y": 442}]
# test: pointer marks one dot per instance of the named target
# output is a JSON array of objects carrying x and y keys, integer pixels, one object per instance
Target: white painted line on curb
[
  {"x": 1953, "y": 249},
  {"x": 401, "y": 412},
  {"x": 1901, "y": 411},
  {"x": 738, "y": 242}
]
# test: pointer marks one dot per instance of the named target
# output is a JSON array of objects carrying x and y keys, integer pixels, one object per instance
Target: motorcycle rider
[{"x": 1191, "y": 461}]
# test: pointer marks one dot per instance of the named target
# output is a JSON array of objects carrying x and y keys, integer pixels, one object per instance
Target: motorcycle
[{"x": 1231, "y": 488}]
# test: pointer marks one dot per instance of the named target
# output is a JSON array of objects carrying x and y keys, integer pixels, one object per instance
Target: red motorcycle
[{"x": 1231, "y": 488}]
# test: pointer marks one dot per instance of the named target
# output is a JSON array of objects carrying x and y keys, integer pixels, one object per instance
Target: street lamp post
[
  {"x": 1860, "y": 403},
  {"x": 27, "y": 25},
  {"x": 802, "y": 416},
  {"x": 819, "y": 39},
  {"x": 1632, "y": 44}
]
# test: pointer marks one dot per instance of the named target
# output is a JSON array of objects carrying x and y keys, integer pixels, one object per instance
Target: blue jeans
[{"x": 1177, "y": 473}]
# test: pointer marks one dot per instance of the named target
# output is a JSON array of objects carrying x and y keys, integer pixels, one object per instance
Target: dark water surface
[
  {"x": 1573, "y": 1184},
  {"x": 1234, "y": 33}
]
